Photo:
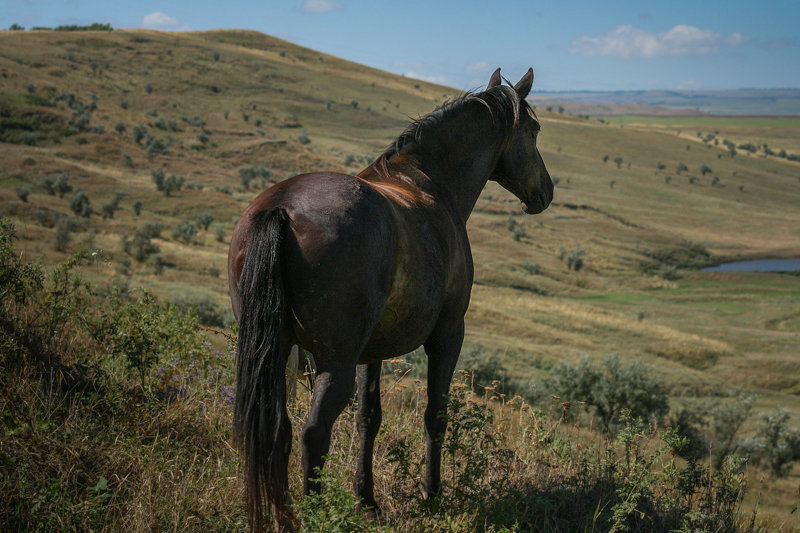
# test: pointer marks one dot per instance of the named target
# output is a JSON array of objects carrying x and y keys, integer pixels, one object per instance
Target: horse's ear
[
  {"x": 495, "y": 80},
  {"x": 523, "y": 87}
]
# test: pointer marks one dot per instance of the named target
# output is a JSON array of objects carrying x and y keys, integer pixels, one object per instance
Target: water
[{"x": 764, "y": 265}]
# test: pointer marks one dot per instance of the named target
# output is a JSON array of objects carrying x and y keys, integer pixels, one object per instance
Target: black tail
[{"x": 261, "y": 426}]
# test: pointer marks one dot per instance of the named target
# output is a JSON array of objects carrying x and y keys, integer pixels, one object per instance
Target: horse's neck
[{"x": 460, "y": 164}]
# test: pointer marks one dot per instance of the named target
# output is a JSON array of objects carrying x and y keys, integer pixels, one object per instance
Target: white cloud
[
  {"x": 681, "y": 40},
  {"x": 481, "y": 66},
  {"x": 159, "y": 20},
  {"x": 320, "y": 6},
  {"x": 432, "y": 79}
]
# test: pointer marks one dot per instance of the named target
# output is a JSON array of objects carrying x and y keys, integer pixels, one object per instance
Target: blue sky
[{"x": 572, "y": 45}]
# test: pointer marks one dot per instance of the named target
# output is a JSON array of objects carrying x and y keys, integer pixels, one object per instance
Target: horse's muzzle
[{"x": 537, "y": 204}]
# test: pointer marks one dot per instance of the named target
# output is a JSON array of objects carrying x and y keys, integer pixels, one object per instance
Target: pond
[{"x": 763, "y": 265}]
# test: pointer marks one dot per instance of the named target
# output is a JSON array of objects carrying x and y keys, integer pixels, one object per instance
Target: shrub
[
  {"x": 726, "y": 420},
  {"x": 250, "y": 173},
  {"x": 531, "y": 268},
  {"x": 157, "y": 175},
  {"x": 139, "y": 132},
  {"x": 155, "y": 146},
  {"x": 204, "y": 220},
  {"x": 80, "y": 204},
  {"x": 609, "y": 388},
  {"x": 148, "y": 88},
  {"x": 22, "y": 193},
  {"x": 29, "y": 137},
  {"x": 124, "y": 104},
  {"x": 775, "y": 444},
  {"x": 153, "y": 228},
  {"x": 62, "y": 235},
  {"x": 303, "y": 138},
  {"x": 219, "y": 232},
  {"x": 705, "y": 169},
  {"x": 145, "y": 331},
  {"x": 126, "y": 160},
  {"x": 202, "y": 137},
  {"x": 185, "y": 231},
  {"x": 140, "y": 246},
  {"x": 208, "y": 313},
  {"x": 618, "y": 161},
  {"x": 137, "y": 207},
  {"x": 483, "y": 368}
]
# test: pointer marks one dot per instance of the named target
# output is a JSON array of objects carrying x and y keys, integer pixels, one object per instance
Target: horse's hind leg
[
  {"x": 442, "y": 348},
  {"x": 333, "y": 388},
  {"x": 369, "y": 422}
]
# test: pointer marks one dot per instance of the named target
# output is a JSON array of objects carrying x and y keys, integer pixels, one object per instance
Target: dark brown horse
[{"x": 358, "y": 269}]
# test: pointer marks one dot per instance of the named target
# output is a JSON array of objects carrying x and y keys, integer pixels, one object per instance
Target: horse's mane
[{"x": 501, "y": 101}]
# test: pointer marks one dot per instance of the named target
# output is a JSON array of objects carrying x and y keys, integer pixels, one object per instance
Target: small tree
[
  {"x": 80, "y": 204},
  {"x": 605, "y": 158},
  {"x": 204, "y": 220},
  {"x": 775, "y": 444},
  {"x": 705, "y": 169},
  {"x": 22, "y": 193},
  {"x": 139, "y": 132},
  {"x": 185, "y": 231},
  {"x": 726, "y": 419},
  {"x": 618, "y": 161},
  {"x": 157, "y": 175},
  {"x": 137, "y": 207}
]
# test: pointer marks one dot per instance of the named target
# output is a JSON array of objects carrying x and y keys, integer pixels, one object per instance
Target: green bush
[
  {"x": 140, "y": 246},
  {"x": 145, "y": 332},
  {"x": 80, "y": 204},
  {"x": 609, "y": 388},
  {"x": 775, "y": 445},
  {"x": 204, "y": 220},
  {"x": 185, "y": 232}
]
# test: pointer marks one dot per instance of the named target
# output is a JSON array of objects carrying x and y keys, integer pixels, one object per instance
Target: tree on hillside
[{"x": 80, "y": 204}]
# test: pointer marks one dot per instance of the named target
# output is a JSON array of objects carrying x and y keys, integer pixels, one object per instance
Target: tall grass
[{"x": 116, "y": 415}]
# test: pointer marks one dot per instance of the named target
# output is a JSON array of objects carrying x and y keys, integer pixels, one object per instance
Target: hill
[
  {"x": 782, "y": 102},
  {"x": 225, "y": 113}
]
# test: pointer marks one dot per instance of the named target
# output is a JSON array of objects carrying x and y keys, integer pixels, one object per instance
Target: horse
[{"x": 359, "y": 269}]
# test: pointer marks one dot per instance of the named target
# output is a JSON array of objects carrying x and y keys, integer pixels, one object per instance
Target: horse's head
[{"x": 520, "y": 169}]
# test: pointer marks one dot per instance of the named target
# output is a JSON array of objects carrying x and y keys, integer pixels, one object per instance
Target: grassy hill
[{"x": 642, "y": 203}]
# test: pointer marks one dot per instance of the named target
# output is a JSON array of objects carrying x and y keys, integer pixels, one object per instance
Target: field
[{"x": 643, "y": 201}]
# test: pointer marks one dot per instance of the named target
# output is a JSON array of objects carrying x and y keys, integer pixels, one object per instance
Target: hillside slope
[{"x": 229, "y": 112}]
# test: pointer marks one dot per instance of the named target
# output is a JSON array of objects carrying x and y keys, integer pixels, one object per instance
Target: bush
[
  {"x": 208, "y": 313},
  {"x": 775, "y": 445},
  {"x": 29, "y": 137},
  {"x": 126, "y": 160},
  {"x": 483, "y": 368},
  {"x": 204, "y": 220},
  {"x": 139, "y": 132},
  {"x": 219, "y": 232},
  {"x": 140, "y": 247},
  {"x": 609, "y": 388},
  {"x": 155, "y": 146},
  {"x": 153, "y": 228},
  {"x": 185, "y": 232},
  {"x": 726, "y": 420},
  {"x": 80, "y": 204},
  {"x": 137, "y": 207},
  {"x": 22, "y": 193}
]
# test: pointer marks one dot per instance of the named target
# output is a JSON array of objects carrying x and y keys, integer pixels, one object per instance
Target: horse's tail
[{"x": 261, "y": 426}]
